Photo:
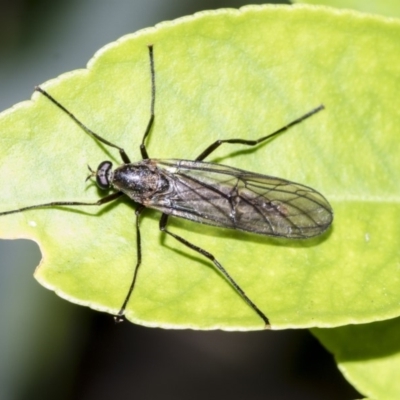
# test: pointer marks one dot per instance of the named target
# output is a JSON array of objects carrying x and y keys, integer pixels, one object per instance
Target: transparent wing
[{"x": 219, "y": 195}]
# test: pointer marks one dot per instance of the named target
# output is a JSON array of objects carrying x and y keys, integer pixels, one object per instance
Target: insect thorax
[{"x": 140, "y": 180}]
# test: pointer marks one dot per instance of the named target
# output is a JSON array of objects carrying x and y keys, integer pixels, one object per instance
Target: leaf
[
  {"x": 368, "y": 356},
  {"x": 390, "y": 8},
  {"x": 225, "y": 74}
]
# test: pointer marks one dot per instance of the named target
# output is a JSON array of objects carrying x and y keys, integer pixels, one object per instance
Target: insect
[{"x": 206, "y": 193}]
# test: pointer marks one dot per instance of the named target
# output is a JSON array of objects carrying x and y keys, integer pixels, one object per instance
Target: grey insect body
[
  {"x": 223, "y": 196},
  {"x": 205, "y": 193}
]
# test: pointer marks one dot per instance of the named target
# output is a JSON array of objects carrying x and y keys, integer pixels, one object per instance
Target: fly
[{"x": 206, "y": 193}]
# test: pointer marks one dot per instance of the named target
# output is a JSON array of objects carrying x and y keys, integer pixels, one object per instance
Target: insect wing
[{"x": 228, "y": 197}]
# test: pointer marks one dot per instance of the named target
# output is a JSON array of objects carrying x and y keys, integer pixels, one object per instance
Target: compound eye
[{"x": 103, "y": 175}]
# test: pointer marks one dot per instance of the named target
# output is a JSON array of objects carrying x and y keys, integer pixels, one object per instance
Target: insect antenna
[{"x": 91, "y": 175}]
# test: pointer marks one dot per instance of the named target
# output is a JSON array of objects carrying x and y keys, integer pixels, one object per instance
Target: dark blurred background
[{"x": 52, "y": 349}]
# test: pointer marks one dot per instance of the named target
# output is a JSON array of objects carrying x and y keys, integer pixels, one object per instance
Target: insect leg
[
  {"x": 124, "y": 156},
  {"x": 120, "y": 315},
  {"x": 220, "y": 268},
  {"x": 99, "y": 202},
  {"x": 143, "y": 149},
  {"x": 218, "y": 143}
]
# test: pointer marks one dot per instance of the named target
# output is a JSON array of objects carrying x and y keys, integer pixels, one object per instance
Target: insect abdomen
[{"x": 219, "y": 195}]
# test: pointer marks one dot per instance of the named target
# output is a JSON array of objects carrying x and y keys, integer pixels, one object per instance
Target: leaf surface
[
  {"x": 389, "y": 8},
  {"x": 368, "y": 355},
  {"x": 223, "y": 74}
]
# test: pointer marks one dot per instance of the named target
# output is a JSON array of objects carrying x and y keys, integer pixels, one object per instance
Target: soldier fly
[{"x": 206, "y": 193}]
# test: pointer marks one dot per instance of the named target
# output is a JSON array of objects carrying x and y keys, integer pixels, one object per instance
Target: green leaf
[
  {"x": 225, "y": 74},
  {"x": 368, "y": 356},
  {"x": 389, "y": 8}
]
